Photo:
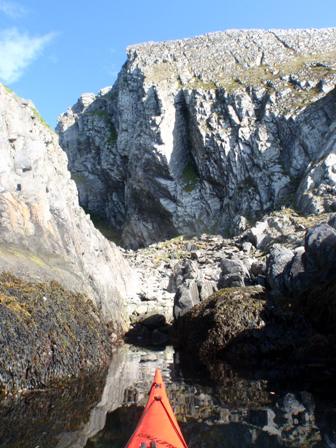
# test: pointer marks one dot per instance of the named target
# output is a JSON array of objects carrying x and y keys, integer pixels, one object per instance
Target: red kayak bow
[{"x": 157, "y": 427}]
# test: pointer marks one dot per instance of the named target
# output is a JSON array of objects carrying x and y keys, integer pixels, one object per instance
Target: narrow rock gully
[{"x": 239, "y": 410}]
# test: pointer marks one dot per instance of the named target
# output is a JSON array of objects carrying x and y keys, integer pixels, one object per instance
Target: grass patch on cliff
[
  {"x": 8, "y": 89},
  {"x": 112, "y": 134},
  {"x": 190, "y": 177},
  {"x": 100, "y": 113},
  {"x": 306, "y": 221},
  {"x": 40, "y": 118},
  {"x": 312, "y": 62},
  {"x": 314, "y": 67},
  {"x": 199, "y": 84}
]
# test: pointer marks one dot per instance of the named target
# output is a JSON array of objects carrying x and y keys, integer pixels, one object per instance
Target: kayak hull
[{"x": 157, "y": 427}]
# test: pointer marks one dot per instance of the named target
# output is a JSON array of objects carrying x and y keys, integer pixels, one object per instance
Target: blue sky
[{"x": 52, "y": 51}]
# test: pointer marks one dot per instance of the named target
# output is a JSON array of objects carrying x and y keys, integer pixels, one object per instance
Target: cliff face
[
  {"x": 205, "y": 134},
  {"x": 44, "y": 234}
]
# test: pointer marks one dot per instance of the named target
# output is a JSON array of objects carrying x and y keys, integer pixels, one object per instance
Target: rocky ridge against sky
[{"x": 207, "y": 134}]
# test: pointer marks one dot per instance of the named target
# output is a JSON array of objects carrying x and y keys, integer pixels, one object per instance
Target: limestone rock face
[
  {"x": 205, "y": 134},
  {"x": 44, "y": 233}
]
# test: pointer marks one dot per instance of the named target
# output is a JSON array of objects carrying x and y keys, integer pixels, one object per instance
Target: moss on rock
[
  {"x": 210, "y": 326},
  {"x": 319, "y": 307},
  {"x": 240, "y": 326},
  {"x": 47, "y": 334}
]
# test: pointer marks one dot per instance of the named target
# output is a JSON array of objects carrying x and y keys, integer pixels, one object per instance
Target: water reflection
[{"x": 234, "y": 412}]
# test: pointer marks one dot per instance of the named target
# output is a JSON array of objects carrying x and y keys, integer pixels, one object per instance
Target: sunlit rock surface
[
  {"x": 44, "y": 233},
  {"x": 207, "y": 134}
]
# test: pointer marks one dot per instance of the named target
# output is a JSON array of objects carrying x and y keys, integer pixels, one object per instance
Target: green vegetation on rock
[
  {"x": 8, "y": 89},
  {"x": 190, "y": 177},
  {"x": 40, "y": 118},
  {"x": 47, "y": 334},
  {"x": 112, "y": 134}
]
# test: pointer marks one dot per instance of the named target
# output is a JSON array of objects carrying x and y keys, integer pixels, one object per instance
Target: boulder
[
  {"x": 211, "y": 326},
  {"x": 234, "y": 273},
  {"x": 206, "y": 288},
  {"x": 240, "y": 326},
  {"x": 183, "y": 270},
  {"x": 277, "y": 260},
  {"x": 257, "y": 234},
  {"x": 320, "y": 253},
  {"x": 293, "y": 272},
  {"x": 159, "y": 338},
  {"x": 154, "y": 321},
  {"x": 295, "y": 279},
  {"x": 48, "y": 335},
  {"x": 186, "y": 297}
]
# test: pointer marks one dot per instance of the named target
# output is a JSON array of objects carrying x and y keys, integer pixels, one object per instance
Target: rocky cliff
[
  {"x": 44, "y": 233},
  {"x": 208, "y": 134}
]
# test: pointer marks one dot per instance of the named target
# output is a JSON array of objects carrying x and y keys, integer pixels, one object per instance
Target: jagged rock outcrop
[
  {"x": 291, "y": 273},
  {"x": 176, "y": 274},
  {"x": 168, "y": 270},
  {"x": 207, "y": 134},
  {"x": 44, "y": 233}
]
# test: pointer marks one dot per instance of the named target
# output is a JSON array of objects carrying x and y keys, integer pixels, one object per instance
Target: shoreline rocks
[{"x": 47, "y": 335}]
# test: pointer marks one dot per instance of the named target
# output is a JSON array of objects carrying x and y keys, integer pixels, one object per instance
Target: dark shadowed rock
[
  {"x": 186, "y": 297},
  {"x": 277, "y": 261},
  {"x": 160, "y": 338},
  {"x": 234, "y": 273},
  {"x": 155, "y": 321},
  {"x": 320, "y": 253}
]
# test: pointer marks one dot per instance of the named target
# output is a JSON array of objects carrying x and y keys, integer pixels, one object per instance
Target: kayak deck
[{"x": 157, "y": 427}]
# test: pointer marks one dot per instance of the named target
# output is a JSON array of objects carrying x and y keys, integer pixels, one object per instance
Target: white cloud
[
  {"x": 12, "y": 9},
  {"x": 17, "y": 51}
]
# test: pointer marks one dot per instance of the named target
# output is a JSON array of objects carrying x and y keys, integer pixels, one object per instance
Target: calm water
[{"x": 235, "y": 411}]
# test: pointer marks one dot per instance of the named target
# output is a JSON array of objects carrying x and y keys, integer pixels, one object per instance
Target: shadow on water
[{"x": 219, "y": 408}]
